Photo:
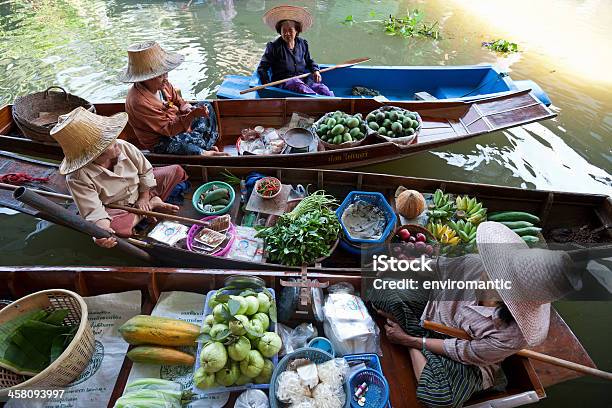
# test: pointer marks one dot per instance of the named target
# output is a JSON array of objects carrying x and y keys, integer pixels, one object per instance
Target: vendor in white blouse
[{"x": 500, "y": 322}]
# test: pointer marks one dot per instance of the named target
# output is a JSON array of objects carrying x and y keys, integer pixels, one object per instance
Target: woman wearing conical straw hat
[
  {"x": 101, "y": 169},
  {"x": 289, "y": 55},
  {"x": 162, "y": 121},
  {"x": 501, "y": 320}
]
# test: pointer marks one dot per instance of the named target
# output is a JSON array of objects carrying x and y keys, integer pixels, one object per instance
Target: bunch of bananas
[
  {"x": 465, "y": 230},
  {"x": 444, "y": 234},
  {"x": 443, "y": 206},
  {"x": 470, "y": 209}
]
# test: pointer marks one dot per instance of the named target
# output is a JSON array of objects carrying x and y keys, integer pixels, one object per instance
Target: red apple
[
  {"x": 429, "y": 250},
  {"x": 421, "y": 237},
  {"x": 404, "y": 234},
  {"x": 420, "y": 247}
]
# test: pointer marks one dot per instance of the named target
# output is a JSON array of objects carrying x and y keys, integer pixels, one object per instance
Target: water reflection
[{"x": 80, "y": 45}]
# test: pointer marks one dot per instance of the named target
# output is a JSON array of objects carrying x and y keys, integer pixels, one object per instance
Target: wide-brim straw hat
[
  {"x": 83, "y": 136},
  {"x": 286, "y": 12},
  {"x": 148, "y": 60},
  {"x": 538, "y": 277}
]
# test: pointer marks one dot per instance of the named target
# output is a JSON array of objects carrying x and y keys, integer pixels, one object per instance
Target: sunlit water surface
[{"x": 80, "y": 45}]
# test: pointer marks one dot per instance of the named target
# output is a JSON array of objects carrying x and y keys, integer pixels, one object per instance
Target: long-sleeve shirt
[
  {"x": 93, "y": 186},
  {"x": 153, "y": 118},
  {"x": 492, "y": 338},
  {"x": 283, "y": 62}
]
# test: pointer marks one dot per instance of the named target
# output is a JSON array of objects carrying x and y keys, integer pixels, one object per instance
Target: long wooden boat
[
  {"x": 397, "y": 83},
  {"x": 443, "y": 123},
  {"x": 557, "y": 210},
  {"x": 526, "y": 379}
]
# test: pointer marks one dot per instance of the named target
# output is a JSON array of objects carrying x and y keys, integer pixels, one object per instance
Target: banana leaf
[{"x": 28, "y": 344}]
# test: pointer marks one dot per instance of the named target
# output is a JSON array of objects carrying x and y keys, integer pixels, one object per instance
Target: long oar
[
  {"x": 461, "y": 334},
  {"x": 115, "y": 206},
  {"x": 282, "y": 81}
]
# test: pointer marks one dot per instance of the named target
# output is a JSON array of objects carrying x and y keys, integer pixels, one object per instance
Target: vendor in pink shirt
[{"x": 499, "y": 321}]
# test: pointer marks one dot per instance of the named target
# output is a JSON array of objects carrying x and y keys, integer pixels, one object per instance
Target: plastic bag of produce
[
  {"x": 349, "y": 326},
  {"x": 294, "y": 339},
  {"x": 147, "y": 399},
  {"x": 252, "y": 399}
]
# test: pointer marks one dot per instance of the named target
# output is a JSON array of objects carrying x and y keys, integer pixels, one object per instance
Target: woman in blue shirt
[{"x": 288, "y": 55}]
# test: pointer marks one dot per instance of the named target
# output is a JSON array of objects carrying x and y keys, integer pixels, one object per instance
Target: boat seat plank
[{"x": 424, "y": 96}]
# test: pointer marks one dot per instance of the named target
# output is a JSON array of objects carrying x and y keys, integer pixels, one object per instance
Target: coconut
[{"x": 410, "y": 203}]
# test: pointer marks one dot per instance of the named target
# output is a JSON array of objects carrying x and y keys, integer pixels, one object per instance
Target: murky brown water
[{"x": 79, "y": 44}]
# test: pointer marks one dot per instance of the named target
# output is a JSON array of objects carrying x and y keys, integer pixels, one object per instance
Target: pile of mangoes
[
  {"x": 394, "y": 122},
  {"x": 338, "y": 127}
]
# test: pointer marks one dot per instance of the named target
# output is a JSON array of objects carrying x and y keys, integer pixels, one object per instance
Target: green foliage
[
  {"x": 501, "y": 46},
  {"x": 412, "y": 25},
  {"x": 303, "y": 235}
]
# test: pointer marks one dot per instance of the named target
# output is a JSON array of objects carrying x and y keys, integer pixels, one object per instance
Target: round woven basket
[
  {"x": 332, "y": 146},
  {"x": 71, "y": 363},
  {"x": 27, "y": 110},
  {"x": 404, "y": 140},
  {"x": 316, "y": 356}
]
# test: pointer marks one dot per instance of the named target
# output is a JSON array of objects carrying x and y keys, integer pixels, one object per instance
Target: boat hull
[
  {"x": 397, "y": 83},
  {"x": 444, "y": 122}
]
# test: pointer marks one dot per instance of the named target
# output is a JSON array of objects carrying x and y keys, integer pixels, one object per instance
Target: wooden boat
[
  {"x": 557, "y": 210},
  {"x": 397, "y": 83},
  {"x": 527, "y": 379},
  {"x": 443, "y": 123}
]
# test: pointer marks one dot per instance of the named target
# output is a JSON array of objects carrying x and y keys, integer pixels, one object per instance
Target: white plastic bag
[{"x": 252, "y": 399}]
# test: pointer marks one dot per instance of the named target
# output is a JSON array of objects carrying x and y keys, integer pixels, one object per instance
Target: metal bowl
[{"x": 298, "y": 139}]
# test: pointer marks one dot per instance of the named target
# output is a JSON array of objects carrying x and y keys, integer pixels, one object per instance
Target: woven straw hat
[
  {"x": 83, "y": 136},
  {"x": 538, "y": 277},
  {"x": 148, "y": 60},
  {"x": 285, "y": 12}
]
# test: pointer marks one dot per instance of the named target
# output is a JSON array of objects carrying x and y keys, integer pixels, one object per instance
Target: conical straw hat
[
  {"x": 537, "y": 277},
  {"x": 285, "y": 12},
  {"x": 83, "y": 136},
  {"x": 148, "y": 60}
]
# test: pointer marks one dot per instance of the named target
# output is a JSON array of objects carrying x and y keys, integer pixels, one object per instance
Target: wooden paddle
[
  {"x": 282, "y": 81},
  {"x": 132, "y": 210},
  {"x": 461, "y": 334}
]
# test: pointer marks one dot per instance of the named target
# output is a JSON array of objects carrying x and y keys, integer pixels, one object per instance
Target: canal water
[{"x": 80, "y": 45}]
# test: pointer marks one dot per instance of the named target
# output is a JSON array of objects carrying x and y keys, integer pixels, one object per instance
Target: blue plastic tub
[
  {"x": 377, "y": 395},
  {"x": 373, "y": 198},
  {"x": 322, "y": 343}
]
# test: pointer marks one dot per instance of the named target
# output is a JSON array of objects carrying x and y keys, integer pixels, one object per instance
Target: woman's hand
[
  {"x": 186, "y": 108},
  {"x": 316, "y": 76},
  {"x": 199, "y": 111},
  {"x": 397, "y": 335},
  {"x": 105, "y": 242}
]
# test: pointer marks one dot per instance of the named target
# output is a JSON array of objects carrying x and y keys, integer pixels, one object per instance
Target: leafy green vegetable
[
  {"x": 412, "y": 25},
  {"x": 303, "y": 235},
  {"x": 32, "y": 341},
  {"x": 501, "y": 46}
]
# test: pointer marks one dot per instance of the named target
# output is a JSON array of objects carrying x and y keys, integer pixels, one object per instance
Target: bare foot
[
  {"x": 213, "y": 153},
  {"x": 158, "y": 205}
]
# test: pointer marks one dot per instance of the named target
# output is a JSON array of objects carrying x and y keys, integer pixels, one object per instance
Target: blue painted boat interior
[{"x": 395, "y": 83}]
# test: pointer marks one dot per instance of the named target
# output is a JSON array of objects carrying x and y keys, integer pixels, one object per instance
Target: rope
[{"x": 20, "y": 178}]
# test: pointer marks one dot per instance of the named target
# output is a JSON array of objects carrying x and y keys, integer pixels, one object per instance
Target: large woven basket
[
  {"x": 37, "y": 113},
  {"x": 71, "y": 363}
]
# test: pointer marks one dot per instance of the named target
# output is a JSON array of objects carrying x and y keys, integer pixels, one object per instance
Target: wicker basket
[
  {"x": 72, "y": 361},
  {"x": 404, "y": 140},
  {"x": 27, "y": 110},
  {"x": 316, "y": 356},
  {"x": 331, "y": 146}
]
